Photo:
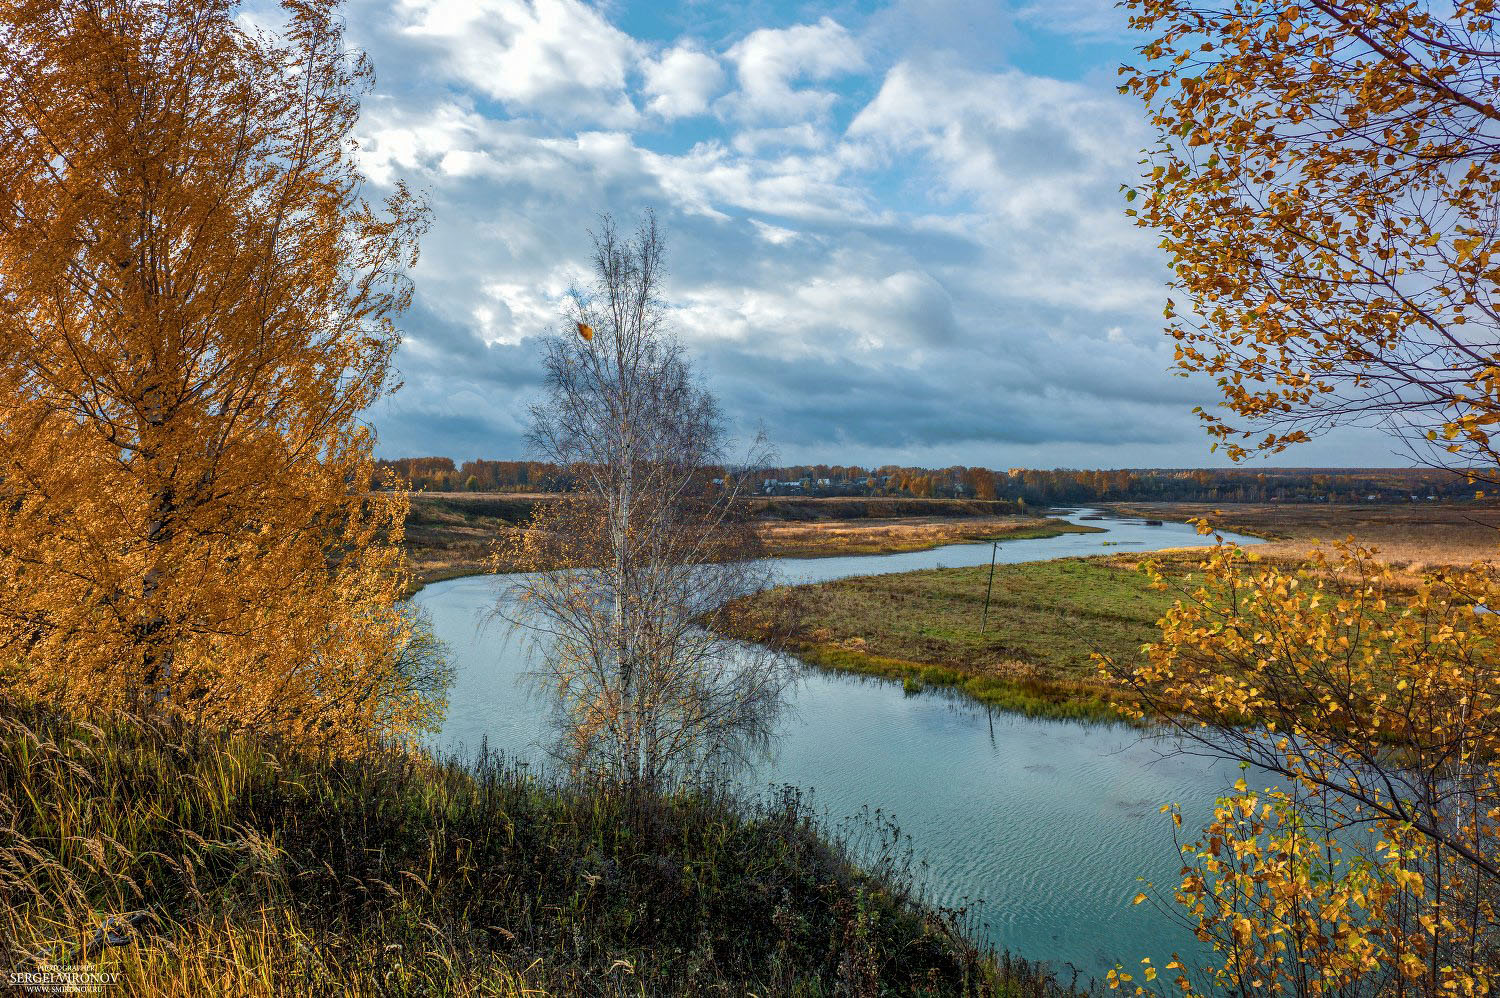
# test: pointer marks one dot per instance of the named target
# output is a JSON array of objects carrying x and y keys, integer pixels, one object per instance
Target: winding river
[{"x": 1050, "y": 823}]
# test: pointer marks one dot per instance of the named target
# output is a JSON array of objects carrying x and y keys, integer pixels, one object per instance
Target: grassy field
[
  {"x": 1032, "y": 653},
  {"x": 924, "y": 628},
  {"x": 449, "y": 534},
  {"x": 230, "y": 866}
]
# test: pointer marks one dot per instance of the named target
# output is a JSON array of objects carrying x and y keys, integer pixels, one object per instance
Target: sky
[{"x": 895, "y": 230}]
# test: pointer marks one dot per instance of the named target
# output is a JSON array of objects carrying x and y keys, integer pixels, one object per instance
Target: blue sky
[{"x": 895, "y": 228}]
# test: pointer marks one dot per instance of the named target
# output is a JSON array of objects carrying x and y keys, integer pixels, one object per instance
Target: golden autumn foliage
[
  {"x": 198, "y": 305},
  {"x": 1324, "y": 184},
  {"x": 1382, "y": 705},
  {"x": 1291, "y": 909}
]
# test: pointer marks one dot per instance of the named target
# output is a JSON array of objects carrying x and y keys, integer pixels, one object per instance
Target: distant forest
[{"x": 1034, "y": 486}]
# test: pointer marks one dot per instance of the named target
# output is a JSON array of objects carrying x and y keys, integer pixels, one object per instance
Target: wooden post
[{"x": 985, "y": 618}]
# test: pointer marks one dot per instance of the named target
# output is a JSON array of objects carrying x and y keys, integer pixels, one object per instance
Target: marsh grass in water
[{"x": 243, "y": 868}]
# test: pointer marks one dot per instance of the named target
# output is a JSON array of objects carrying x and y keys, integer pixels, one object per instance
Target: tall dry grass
[{"x": 230, "y": 866}]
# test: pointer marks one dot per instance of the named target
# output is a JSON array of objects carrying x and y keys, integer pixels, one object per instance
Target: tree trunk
[{"x": 628, "y": 710}]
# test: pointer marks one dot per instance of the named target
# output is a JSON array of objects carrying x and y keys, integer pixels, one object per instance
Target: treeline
[
  {"x": 1035, "y": 486},
  {"x": 440, "y": 474},
  {"x": 1038, "y": 486},
  {"x": 1341, "y": 485}
]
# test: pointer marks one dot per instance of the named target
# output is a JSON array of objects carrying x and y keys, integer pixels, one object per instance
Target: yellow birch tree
[
  {"x": 1325, "y": 183},
  {"x": 198, "y": 303}
]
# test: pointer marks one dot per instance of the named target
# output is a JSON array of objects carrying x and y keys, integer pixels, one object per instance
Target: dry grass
[
  {"x": 235, "y": 866},
  {"x": 857, "y": 537},
  {"x": 1411, "y": 537},
  {"x": 450, "y": 534}
]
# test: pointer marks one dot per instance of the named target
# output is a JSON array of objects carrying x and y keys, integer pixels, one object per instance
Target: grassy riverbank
[
  {"x": 233, "y": 867},
  {"x": 1030, "y": 655},
  {"x": 1033, "y": 657}
]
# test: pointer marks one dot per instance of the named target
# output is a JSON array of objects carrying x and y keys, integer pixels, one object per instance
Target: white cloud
[
  {"x": 1086, "y": 20},
  {"x": 769, "y": 61},
  {"x": 773, "y": 234},
  {"x": 557, "y": 58},
  {"x": 803, "y": 135},
  {"x": 710, "y": 179},
  {"x": 839, "y": 312},
  {"x": 681, "y": 82},
  {"x": 1020, "y": 142},
  {"x": 395, "y": 142},
  {"x": 514, "y": 310},
  {"x": 1040, "y": 161}
]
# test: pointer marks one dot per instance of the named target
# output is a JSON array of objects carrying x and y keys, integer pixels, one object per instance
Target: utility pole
[{"x": 985, "y": 618}]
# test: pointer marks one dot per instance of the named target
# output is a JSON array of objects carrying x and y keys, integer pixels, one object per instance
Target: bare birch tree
[{"x": 633, "y": 567}]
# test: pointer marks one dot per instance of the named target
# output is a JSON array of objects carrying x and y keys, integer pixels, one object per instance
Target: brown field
[
  {"x": 1412, "y": 537},
  {"x": 874, "y": 507},
  {"x": 449, "y": 534}
]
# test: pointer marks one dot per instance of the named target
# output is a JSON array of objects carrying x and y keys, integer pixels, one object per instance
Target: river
[{"x": 1050, "y": 823}]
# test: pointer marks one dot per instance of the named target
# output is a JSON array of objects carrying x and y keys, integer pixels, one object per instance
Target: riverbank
[
  {"x": 236, "y": 866},
  {"x": 1030, "y": 654},
  {"x": 450, "y": 535},
  {"x": 1046, "y": 808}
]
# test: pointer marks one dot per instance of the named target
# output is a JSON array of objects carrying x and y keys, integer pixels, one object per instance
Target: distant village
[{"x": 939, "y": 486}]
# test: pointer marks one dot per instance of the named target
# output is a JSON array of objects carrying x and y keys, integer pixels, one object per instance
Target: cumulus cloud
[
  {"x": 558, "y": 58},
  {"x": 770, "y": 61},
  {"x": 681, "y": 81},
  {"x": 1042, "y": 160},
  {"x": 988, "y": 130}
]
